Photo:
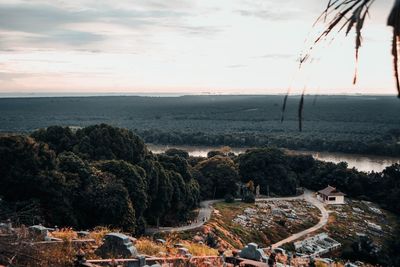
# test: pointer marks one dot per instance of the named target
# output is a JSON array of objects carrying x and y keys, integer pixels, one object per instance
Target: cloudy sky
[{"x": 184, "y": 46}]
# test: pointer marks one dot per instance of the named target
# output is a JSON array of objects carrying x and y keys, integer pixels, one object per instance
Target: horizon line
[{"x": 163, "y": 94}]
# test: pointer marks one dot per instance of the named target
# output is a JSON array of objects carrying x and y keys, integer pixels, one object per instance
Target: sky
[{"x": 185, "y": 46}]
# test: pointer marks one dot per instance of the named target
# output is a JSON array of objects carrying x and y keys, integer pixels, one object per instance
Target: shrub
[
  {"x": 229, "y": 198},
  {"x": 249, "y": 198}
]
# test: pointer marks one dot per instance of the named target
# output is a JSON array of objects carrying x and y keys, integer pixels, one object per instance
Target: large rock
[
  {"x": 6, "y": 228},
  {"x": 117, "y": 245},
  {"x": 39, "y": 232},
  {"x": 252, "y": 252}
]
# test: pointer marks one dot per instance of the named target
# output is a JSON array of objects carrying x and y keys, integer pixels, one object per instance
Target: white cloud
[{"x": 181, "y": 45}]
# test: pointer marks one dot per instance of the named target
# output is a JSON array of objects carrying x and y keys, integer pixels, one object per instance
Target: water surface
[{"x": 360, "y": 162}]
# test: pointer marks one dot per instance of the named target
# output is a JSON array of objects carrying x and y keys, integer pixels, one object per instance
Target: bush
[
  {"x": 249, "y": 198},
  {"x": 229, "y": 198}
]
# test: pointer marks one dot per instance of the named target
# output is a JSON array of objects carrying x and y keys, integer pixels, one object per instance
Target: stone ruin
[
  {"x": 316, "y": 245},
  {"x": 117, "y": 245},
  {"x": 41, "y": 233},
  {"x": 6, "y": 228},
  {"x": 252, "y": 252}
]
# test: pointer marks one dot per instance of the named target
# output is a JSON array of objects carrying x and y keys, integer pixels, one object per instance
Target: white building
[{"x": 330, "y": 195}]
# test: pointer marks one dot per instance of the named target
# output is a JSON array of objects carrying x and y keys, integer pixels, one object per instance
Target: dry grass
[
  {"x": 322, "y": 264},
  {"x": 66, "y": 234},
  {"x": 149, "y": 247},
  {"x": 99, "y": 232},
  {"x": 22, "y": 253},
  {"x": 62, "y": 254},
  {"x": 200, "y": 249}
]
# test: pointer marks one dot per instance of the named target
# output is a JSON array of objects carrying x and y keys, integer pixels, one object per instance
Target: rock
[
  {"x": 179, "y": 245},
  {"x": 252, "y": 252},
  {"x": 6, "y": 228},
  {"x": 83, "y": 233},
  {"x": 198, "y": 239},
  {"x": 161, "y": 241},
  {"x": 280, "y": 251},
  {"x": 53, "y": 239},
  {"x": 133, "y": 240},
  {"x": 117, "y": 245},
  {"x": 183, "y": 251},
  {"x": 39, "y": 232}
]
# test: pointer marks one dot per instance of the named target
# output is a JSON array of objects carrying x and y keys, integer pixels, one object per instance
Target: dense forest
[
  {"x": 98, "y": 175},
  {"x": 350, "y": 124},
  {"x": 78, "y": 167},
  {"x": 103, "y": 175}
]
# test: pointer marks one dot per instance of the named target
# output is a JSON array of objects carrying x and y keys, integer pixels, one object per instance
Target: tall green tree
[
  {"x": 269, "y": 169},
  {"x": 133, "y": 177},
  {"x": 218, "y": 177}
]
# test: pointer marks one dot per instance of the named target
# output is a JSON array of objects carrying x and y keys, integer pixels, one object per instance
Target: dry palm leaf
[
  {"x": 351, "y": 14},
  {"x": 300, "y": 112},
  {"x": 284, "y": 106},
  {"x": 394, "y": 21}
]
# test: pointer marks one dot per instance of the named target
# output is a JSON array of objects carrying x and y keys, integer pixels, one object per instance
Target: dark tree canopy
[
  {"x": 268, "y": 168},
  {"x": 98, "y": 175},
  {"x": 58, "y": 138},
  {"x": 133, "y": 178},
  {"x": 217, "y": 177},
  {"x": 97, "y": 142},
  {"x": 21, "y": 161}
]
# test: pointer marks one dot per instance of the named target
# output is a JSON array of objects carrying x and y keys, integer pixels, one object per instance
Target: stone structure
[
  {"x": 6, "y": 227},
  {"x": 82, "y": 234},
  {"x": 252, "y": 252},
  {"x": 316, "y": 245},
  {"x": 39, "y": 232},
  {"x": 258, "y": 191},
  {"x": 117, "y": 245}
]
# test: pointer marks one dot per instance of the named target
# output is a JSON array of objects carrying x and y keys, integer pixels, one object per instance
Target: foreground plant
[{"x": 350, "y": 15}]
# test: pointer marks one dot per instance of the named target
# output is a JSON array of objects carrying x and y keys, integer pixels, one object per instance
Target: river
[{"x": 360, "y": 162}]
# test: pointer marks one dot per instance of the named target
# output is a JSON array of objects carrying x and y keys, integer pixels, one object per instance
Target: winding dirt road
[
  {"x": 206, "y": 210},
  {"x": 309, "y": 197},
  {"x": 203, "y": 216}
]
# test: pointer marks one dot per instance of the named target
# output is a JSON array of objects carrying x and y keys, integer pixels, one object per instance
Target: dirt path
[
  {"x": 203, "y": 216},
  {"x": 309, "y": 197},
  {"x": 206, "y": 210}
]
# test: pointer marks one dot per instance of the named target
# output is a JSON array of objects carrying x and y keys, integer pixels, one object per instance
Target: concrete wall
[{"x": 338, "y": 200}]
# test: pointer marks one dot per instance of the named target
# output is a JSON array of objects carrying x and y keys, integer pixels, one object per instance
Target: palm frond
[
  {"x": 346, "y": 14},
  {"x": 300, "y": 112},
  {"x": 394, "y": 21},
  {"x": 350, "y": 15},
  {"x": 284, "y": 106}
]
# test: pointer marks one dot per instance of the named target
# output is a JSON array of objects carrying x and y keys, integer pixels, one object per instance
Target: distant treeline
[
  {"x": 387, "y": 145},
  {"x": 349, "y": 124}
]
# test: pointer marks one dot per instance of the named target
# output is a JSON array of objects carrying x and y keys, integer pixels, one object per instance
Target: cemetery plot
[
  {"x": 265, "y": 222},
  {"x": 317, "y": 245},
  {"x": 348, "y": 223}
]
